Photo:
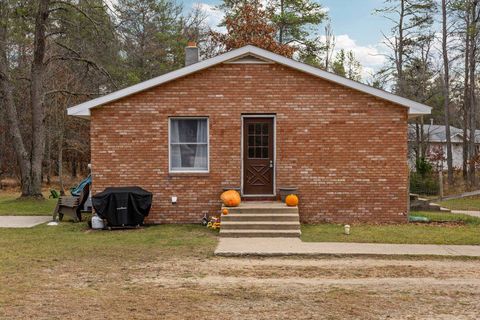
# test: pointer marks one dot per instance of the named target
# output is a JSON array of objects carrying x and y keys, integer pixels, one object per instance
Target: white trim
[
  {"x": 170, "y": 146},
  {"x": 271, "y": 116},
  {"x": 256, "y": 60},
  {"x": 83, "y": 110}
]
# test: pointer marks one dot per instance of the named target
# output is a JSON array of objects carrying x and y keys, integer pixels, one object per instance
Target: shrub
[
  {"x": 423, "y": 167},
  {"x": 427, "y": 184}
]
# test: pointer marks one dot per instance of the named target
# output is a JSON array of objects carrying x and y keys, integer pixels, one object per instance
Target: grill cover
[{"x": 123, "y": 206}]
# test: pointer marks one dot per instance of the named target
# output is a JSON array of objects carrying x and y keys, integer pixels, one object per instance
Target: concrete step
[
  {"x": 260, "y": 225},
  {"x": 262, "y": 210},
  {"x": 242, "y": 233},
  {"x": 260, "y": 217}
]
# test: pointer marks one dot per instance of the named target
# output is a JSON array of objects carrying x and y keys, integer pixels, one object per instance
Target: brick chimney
[{"x": 191, "y": 53}]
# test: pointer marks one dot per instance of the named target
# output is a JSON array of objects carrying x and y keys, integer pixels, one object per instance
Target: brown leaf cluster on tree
[{"x": 250, "y": 24}]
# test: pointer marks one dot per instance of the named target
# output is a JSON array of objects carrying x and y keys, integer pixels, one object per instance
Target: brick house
[{"x": 257, "y": 121}]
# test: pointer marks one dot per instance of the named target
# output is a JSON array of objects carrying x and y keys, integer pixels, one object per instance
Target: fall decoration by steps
[
  {"x": 231, "y": 198},
  {"x": 291, "y": 200}
]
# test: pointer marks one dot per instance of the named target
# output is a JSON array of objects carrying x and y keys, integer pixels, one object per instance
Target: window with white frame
[{"x": 188, "y": 144}]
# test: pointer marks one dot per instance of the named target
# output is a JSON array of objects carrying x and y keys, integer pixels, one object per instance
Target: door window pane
[
  {"x": 251, "y": 140},
  {"x": 251, "y": 152},
  {"x": 265, "y": 153},
  {"x": 251, "y": 129},
  {"x": 258, "y": 140},
  {"x": 265, "y": 141}
]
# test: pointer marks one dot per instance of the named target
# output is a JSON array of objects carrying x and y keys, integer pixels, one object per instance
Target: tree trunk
[
  {"x": 60, "y": 165},
  {"x": 471, "y": 96},
  {"x": 417, "y": 141},
  {"x": 280, "y": 29},
  {"x": 423, "y": 146},
  {"x": 21, "y": 152},
  {"x": 446, "y": 92},
  {"x": 74, "y": 164},
  {"x": 37, "y": 97},
  {"x": 30, "y": 163},
  {"x": 400, "y": 53},
  {"x": 466, "y": 107},
  {"x": 48, "y": 156}
]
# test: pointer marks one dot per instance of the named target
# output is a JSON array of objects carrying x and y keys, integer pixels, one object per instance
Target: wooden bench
[{"x": 71, "y": 205}]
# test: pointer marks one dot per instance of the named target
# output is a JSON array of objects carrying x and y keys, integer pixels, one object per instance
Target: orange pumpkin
[
  {"x": 230, "y": 198},
  {"x": 291, "y": 200},
  {"x": 225, "y": 211}
]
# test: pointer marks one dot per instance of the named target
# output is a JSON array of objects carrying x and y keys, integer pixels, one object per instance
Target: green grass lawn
[
  {"x": 70, "y": 242},
  {"x": 469, "y": 203},
  {"x": 467, "y": 233},
  {"x": 11, "y": 204}
]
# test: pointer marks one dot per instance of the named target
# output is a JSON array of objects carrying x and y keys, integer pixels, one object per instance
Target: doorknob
[{"x": 271, "y": 163}]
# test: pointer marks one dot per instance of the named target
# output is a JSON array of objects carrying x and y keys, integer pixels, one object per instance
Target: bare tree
[
  {"x": 446, "y": 90},
  {"x": 329, "y": 46},
  {"x": 410, "y": 19},
  {"x": 30, "y": 161},
  {"x": 473, "y": 30}
]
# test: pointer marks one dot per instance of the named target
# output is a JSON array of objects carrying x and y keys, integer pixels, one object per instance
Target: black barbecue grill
[{"x": 123, "y": 206}]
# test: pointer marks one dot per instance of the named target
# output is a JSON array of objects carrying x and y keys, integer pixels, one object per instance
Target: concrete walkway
[
  {"x": 22, "y": 221},
  {"x": 294, "y": 246},
  {"x": 459, "y": 196},
  {"x": 470, "y": 213}
]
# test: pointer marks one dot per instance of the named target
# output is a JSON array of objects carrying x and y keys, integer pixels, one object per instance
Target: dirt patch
[{"x": 235, "y": 288}]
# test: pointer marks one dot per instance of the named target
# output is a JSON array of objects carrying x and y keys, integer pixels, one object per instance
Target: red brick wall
[{"x": 346, "y": 151}]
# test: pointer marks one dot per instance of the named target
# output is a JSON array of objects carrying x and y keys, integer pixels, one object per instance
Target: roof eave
[
  {"x": 83, "y": 110},
  {"x": 416, "y": 114}
]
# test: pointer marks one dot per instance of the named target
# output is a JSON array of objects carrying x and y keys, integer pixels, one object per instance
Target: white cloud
[
  {"x": 370, "y": 57},
  {"x": 367, "y": 55},
  {"x": 214, "y": 16}
]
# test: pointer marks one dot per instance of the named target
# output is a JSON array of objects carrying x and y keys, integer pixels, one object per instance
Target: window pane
[
  {"x": 265, "y": 141},
  {"x": 265, "y": 153},
  {"x": 258, "y": 128},
  {"x": 189, "y": 156},
  {"x": 188, "y": 130},
  {"x": 251, "y": 129},
  {"x": 251, "y": 152},
  {"x": 258, "y": 152},
  {"x": 251, "y": 141},
  {"x": 188, "y": 144},
  {"x": 265, "y": 128},
  {"x": 258, "y": 140}
]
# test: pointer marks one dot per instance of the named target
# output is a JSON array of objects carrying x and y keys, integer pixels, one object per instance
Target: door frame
[{"x": 274, "y": 118}]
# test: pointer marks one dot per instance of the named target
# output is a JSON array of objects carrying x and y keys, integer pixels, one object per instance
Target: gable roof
[{"x": 83, "y": 109}]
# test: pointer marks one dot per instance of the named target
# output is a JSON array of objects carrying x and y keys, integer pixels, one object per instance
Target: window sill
[{"x": 188, "y": 174}]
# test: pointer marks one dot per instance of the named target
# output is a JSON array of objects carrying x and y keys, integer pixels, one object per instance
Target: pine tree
[
  {"x": 296, "y": 20},
  {"x": 346, "y": 65},
  {"x": 152, "y": 39},
  {"x": 249, "y": 23}
]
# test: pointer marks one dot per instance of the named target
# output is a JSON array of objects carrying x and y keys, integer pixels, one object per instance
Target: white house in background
[{"x": 435, "y": 139}]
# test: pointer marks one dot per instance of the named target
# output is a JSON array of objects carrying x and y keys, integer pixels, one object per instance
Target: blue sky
[
  {"x": 355, "y": 26},
  {"x": 355, "y": 18}
]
